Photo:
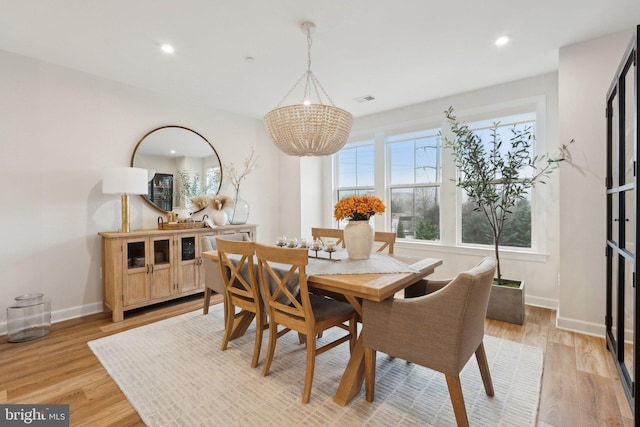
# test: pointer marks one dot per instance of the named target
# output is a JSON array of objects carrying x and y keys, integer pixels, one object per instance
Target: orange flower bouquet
[{"x": 358, "y": 208}]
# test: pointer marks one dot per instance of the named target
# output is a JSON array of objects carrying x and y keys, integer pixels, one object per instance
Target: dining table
[{"x": 376, "y": 279}]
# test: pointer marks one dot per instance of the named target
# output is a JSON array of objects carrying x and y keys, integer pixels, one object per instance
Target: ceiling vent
[{"x": 365, "y": 98}]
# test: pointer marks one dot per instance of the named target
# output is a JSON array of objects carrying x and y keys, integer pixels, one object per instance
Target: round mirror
[{"x": 184, "y": 169}]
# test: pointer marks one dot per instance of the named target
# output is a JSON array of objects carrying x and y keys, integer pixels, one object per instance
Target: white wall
[
  {"x": 540, "y": 271},
  {"x": 586, "y": 71},
  {"x": 59, "y": 129}
]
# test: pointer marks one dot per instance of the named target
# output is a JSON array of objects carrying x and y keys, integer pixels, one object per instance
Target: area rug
[{"x": 174, "y": 374}]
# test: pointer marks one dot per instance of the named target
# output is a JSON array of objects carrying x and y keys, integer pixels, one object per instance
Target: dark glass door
[{"x": 622, "y": 222}]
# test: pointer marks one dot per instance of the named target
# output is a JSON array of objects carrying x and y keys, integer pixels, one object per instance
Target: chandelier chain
[
  {"x": 309, "y": 42},
  {"x": 310, "y": 80}
]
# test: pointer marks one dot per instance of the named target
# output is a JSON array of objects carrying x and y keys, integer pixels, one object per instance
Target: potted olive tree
[{"x": 493, "y": 176}]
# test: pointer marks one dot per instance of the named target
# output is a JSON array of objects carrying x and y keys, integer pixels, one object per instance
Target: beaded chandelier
[{"x": 308, "y": 129}]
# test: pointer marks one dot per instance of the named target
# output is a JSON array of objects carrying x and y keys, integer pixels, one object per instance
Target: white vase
[
  {"x": 358, "y": 237},
  {"x": 219, "y": 217}
]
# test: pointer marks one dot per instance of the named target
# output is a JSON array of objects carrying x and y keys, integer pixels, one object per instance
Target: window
[
  {"x": 415, "y": 171},
  {"x": 416, "y": 174},
  {"x": 355, "y": 170},
  {"x": 475, "y": 228}
]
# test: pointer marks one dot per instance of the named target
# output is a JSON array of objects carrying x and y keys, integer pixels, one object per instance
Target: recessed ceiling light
[
  {"x": 167, "y": 48},
  {"x": 501, "y": 41}
]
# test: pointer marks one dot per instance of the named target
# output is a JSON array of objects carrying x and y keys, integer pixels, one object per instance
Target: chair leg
[
  {"x": 273, "y": 336},
  {"x": 225, "y": 307},
  {"x": 481, "y": 357},
  {"x": 457, "y": 400},
  {"x": 301, "y": 339},
  {"x": 207, "y": 300},
  {"x": 258, "y": 344},
  {"x": 311, "y": 361},
  {"x": 229, "y": 313},
  {"x": 369, "y": 373}
]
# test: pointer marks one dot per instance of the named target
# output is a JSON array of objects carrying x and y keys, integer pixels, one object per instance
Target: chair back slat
[
  {"x": 236, "y": 283},
  {"x": 280, "y": 296},
  {"x": 388, "y": 240},
  {"x": 325, "y": 234}
]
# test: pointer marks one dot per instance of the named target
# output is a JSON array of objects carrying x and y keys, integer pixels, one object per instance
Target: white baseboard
[
  {"x": 75, "y": 312},
  {"x": 579, "y": 326},
  {"x": 573, "y": 325},
  {"x": 66, "y": 314},
  {"x": 541, "y": 302}
]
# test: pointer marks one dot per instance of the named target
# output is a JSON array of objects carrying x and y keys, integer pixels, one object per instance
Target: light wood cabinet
[{"x": 149, "y": 266}]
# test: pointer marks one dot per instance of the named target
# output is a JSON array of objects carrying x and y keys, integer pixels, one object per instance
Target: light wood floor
[{"x": 580, "y": 386}]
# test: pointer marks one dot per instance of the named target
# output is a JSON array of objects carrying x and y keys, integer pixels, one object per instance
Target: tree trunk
[{"x": 499, "y": 273}]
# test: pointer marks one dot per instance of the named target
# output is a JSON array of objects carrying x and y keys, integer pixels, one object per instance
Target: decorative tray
[{"x": 179, "y": 225}]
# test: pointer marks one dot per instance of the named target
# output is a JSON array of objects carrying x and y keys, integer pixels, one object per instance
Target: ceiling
[{"x": 401, "y": 52}]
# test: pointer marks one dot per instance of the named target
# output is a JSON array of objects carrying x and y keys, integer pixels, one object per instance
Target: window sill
[{"x": 505, "y": 253}]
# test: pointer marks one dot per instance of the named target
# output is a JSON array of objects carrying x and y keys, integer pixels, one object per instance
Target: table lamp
[{"x": 125, "y": 181}]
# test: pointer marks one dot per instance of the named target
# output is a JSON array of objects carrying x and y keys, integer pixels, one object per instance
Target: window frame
[
  {"x": 392, "y": 138},
  {"x": 487, "y": 124},
  {"x": 450, "y": 194}
]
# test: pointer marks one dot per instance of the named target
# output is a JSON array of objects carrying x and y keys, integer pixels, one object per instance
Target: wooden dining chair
[
  {"x": 212, "y": 280},
  {"x": 440, "y": 330},
  {"x": 388, "y": 240},
  {"x": 283, "y": 283},
  {"x": 326, "y": 234},
  {"x": 241, "y": 290}
]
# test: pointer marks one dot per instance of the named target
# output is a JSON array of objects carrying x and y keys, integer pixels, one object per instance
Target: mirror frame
[{"x": 135, "y": 150}]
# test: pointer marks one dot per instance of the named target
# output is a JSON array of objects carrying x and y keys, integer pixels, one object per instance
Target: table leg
[{"x": 353, "y": 376}]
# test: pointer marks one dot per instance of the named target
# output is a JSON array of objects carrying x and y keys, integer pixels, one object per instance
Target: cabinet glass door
[
  {"x": 162, "y": 279},
  {"x": 189, "y": 263},
  {"x": 188, "y": 248},
  {"x": 136, "y": 282},
  {"x": 136, "y": 255},
  {"x": 161, "y": 251}
]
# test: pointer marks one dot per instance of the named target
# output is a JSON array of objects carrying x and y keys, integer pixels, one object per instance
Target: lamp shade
[{"x": 124, "y": 180}]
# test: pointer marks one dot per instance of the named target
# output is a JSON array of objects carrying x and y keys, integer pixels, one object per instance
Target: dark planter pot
[{"x": 507, "y": 304}]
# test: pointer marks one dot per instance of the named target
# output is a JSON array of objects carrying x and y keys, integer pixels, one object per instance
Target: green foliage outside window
[
  {"x": 400, "y": 233},
  {"x": 425, "y": 230},
  {"x": 517, "y": 228}
]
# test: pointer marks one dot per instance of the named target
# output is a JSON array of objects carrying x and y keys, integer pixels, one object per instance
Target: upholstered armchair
[
  {"x": 440, "y": 330},
  {"x": 212, "y": 278}
]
